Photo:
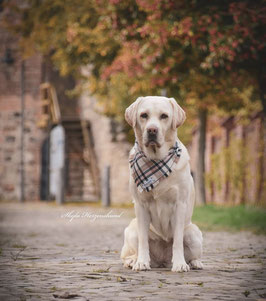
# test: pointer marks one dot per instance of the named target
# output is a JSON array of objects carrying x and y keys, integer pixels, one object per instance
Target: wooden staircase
[{"x": 82, "y": 182}]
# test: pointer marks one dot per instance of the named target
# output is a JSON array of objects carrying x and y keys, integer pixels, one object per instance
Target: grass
[{"x": 236, "y": 218}]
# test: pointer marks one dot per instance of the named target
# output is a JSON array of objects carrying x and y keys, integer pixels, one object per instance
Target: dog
[{"x": 162, "y": 189}]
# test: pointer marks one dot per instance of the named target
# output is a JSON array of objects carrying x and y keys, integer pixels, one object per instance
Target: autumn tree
[
  {"x": 197, "y": 48},
  {"x": 200, "y": 52}
]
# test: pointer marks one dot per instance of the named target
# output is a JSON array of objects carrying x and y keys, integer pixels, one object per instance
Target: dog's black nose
[{"x": 152, "y": 131}]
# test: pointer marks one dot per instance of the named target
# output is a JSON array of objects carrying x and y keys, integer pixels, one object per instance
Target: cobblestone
[{"x": 44, "y": 256}]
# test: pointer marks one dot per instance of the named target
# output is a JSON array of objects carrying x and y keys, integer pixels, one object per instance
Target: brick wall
[{"x": 10, "y": 119}]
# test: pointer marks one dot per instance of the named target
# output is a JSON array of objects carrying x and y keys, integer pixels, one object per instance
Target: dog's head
[{"x": 155, "y": 120}]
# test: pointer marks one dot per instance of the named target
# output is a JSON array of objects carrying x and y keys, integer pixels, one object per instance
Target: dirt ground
[{"x": 46, "y": 256}]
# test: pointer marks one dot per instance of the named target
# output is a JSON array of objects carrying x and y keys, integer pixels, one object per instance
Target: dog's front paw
[
  {"x": 180, "y": 267},
  {"x": 130, "y": 262},
  {"x": 196, "y": 264},
  {"x": 141, "y": 266}
]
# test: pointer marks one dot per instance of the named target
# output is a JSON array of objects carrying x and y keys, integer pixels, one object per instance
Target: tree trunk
[
  {"x": 262, "y": 87},
  {"x": 200, "y": 165}
]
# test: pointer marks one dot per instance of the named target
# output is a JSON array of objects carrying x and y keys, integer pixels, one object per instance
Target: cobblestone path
[{"x": 45, "y": 256}]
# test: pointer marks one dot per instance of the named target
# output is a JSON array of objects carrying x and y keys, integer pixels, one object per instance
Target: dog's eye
[
  {"x": 144, "y": 115},
  {"x": 164, "y": 116}
]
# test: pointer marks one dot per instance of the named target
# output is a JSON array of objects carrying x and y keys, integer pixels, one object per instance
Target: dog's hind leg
[
  {"x": 129, "y": 253},
  {"x": 193, "y": 246}
]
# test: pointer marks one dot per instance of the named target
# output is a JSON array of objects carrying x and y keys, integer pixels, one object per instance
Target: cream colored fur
[{"x": 162, "y": 234}]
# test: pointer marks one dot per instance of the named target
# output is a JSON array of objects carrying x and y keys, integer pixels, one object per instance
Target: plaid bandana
[{"x": 148, "y": 173}]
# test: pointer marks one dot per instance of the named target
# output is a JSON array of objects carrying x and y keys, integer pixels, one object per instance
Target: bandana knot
[{"x": 149, "y": 173}]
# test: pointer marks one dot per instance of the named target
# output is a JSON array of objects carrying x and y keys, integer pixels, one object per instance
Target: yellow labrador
[{"x": 162, "y": 189}]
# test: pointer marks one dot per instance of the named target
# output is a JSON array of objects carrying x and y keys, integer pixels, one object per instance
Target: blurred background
[{"x": 69, "y": 69}]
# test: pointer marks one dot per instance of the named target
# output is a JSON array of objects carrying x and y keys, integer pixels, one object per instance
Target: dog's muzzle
[{"x": 152, "y": 134}]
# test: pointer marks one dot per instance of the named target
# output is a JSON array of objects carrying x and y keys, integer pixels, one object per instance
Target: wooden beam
[{"x": 90, "y": 157}]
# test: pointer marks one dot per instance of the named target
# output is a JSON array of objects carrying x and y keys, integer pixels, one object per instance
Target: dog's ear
[
  {"x": 179, "y": 115},
  {"x": 131, "y": 112}
]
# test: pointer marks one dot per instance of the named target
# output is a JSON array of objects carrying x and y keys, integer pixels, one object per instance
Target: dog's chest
[
  {"x": 162, "y": 213},
  {"x": 164, "y": 200}
]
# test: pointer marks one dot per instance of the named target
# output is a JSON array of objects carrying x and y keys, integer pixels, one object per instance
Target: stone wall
[{"x": 10, "y": 120}]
